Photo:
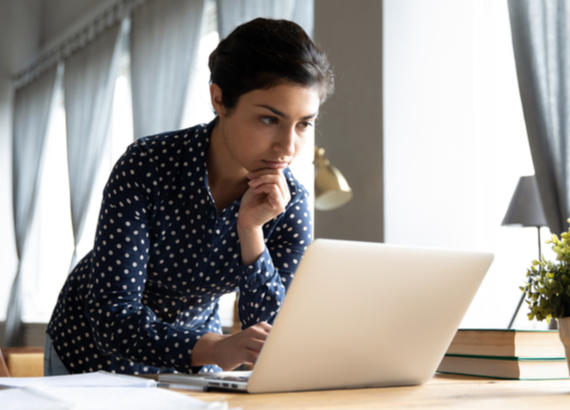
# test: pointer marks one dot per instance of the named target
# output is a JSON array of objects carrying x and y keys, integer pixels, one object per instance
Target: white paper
[
  {"x": 20, "y": 398},
  {"x": 130, "y": 399},
  {"x": 96, "y": 379},
  {"x": 90, "y": 391},
  {"x": 97, "y": 398}
]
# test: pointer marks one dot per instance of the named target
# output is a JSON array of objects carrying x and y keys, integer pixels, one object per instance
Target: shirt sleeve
[
  {"x": 264, "y": 282},
  {"x": 120, "y": 322}
]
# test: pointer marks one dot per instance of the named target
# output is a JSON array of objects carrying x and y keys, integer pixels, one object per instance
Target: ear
[{"x": 216, "y": 99}]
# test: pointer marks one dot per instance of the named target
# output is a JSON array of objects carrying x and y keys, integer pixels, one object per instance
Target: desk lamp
[
  {"x": 525, "y": 210},
  {"x": 331, "y": 189}
]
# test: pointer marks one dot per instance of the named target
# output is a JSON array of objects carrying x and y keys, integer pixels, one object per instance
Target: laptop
[{"x": 360, "y": 314}]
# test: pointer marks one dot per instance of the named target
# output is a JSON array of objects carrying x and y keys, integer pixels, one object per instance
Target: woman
[{"x": 190, "y": 215}]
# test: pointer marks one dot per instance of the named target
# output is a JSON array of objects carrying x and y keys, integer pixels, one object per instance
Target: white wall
[{"x": 350, "y": 123}]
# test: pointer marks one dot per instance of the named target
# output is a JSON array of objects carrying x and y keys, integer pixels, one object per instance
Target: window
[
  {"x": 48, "y": 259},
  {"x": 50, "y": 246},
  {"x": 198, "y": 108},
  {"x": 455, "y": 141}
]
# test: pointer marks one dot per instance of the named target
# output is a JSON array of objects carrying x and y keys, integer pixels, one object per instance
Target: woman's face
[{"x": 268, "y": 127}]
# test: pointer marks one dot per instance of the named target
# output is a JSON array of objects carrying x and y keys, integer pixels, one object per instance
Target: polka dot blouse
[{"x": 163, "y": 255}]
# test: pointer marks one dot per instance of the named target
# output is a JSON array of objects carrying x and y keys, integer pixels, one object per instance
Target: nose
[{"x": 285, "y": 145}]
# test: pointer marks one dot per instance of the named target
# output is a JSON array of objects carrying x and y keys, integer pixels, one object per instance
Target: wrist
[
  {"x": 252, "y": 243},
  {"x": 249, "y": 232},
  {"x": 205, "y": 349}
]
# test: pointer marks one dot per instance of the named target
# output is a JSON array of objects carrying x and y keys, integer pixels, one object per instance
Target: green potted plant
[{"x": 548, "y": 288}]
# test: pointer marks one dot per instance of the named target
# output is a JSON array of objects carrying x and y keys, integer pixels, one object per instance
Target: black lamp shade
[{"x": 525, "y": 208}]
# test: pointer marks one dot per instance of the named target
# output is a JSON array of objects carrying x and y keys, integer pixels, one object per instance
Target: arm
[
  {"x": 120, "y": 322},
  {"x": 267, "y": 272}
]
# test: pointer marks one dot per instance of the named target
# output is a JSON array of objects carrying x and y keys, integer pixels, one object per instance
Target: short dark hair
[{"x": 264, "y": 53}]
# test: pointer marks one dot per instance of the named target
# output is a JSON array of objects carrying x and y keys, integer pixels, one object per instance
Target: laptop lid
[{"x": 363, "y": 314}]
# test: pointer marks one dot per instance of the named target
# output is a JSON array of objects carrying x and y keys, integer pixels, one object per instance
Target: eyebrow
[{"x": 282, "y": 114}]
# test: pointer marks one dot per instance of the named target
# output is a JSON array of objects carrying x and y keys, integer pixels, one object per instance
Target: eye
[
  {"x": 269, "y": 119},
  {"x": 303, "y": 125}
]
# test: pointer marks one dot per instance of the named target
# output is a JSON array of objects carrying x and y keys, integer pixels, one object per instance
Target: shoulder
[
  {"x": 169, "y": 141},
  {"x": 168, "y": 150},
  {"x": 155, "y": 157}
]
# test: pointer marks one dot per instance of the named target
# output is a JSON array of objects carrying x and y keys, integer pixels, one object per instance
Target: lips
[{"x": 276, "y": 164}]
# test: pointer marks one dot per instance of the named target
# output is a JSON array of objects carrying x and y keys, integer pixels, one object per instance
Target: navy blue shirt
[{"x": 163, "y": 256}]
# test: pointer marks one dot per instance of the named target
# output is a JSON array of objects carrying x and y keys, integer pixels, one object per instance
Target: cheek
[
  {"x": 245, "y": 136},
  {"x": 252, "y": 143},
  {"x": 300, "y": 144},
  {"x": 261, "y": 138}
]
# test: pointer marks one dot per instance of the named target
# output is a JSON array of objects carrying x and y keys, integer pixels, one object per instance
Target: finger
[
  {"x": 271, "y": 177},
  {"x": 263, "y": 171},
  {"x": 284, "y": 186},
  {"x": 278, "y": 180},
  {"x": 280, "y": 196},
  {"x": 264, "y": 179},
  {"x": 259, "y": 331},
  {"x": 250, "y": 357},
  {"x": 274, "y": 196},
  {"x": 264, "y": 325},
  {"x": 255, "y": 344},
  {"x": 256, "y": 333}
]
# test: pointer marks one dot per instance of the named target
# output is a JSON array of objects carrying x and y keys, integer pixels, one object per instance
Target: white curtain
[
  {"x": 232, "y": 13},
  {"x": 89, "y": 82},
  {"x": 164, "y": 41},
  {"x": 32, "y": 107}
]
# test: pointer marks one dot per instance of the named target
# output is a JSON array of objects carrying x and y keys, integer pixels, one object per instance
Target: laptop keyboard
[{"x": 239, "y": 376}]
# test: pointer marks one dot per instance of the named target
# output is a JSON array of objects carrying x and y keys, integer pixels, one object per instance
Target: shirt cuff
[{"x": 258, "y": 273}]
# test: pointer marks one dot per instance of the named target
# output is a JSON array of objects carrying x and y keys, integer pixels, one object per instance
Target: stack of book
[{"x": 506, "y": 354}]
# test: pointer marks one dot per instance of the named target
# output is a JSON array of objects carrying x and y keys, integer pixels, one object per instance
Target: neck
[{"x": 223, "y": 171}]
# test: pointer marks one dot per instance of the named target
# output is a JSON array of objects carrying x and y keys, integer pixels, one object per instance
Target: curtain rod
[{"x": 110, "y": 16}]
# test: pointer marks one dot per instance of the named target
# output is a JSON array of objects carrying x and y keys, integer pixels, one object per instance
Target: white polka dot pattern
[{"x": 163, "y": 255}]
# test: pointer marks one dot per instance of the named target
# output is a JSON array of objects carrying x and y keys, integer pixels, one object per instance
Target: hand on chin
[{"x": 267, "y": 196}]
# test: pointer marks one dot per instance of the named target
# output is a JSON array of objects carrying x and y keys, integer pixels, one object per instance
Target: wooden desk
[{"x": 442, "y": 392}]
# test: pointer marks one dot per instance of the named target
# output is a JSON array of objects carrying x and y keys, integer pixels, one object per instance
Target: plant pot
[{"x": 564, "y": 333}]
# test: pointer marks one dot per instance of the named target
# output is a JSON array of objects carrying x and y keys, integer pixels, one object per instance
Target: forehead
[{"x": 287, "y": 97}]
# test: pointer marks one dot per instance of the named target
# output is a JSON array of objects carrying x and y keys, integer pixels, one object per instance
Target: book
[
  {"x": 506, "y": 354},
  {"x": 505, "y": 367},
  {"x": 507, "y": 343}
]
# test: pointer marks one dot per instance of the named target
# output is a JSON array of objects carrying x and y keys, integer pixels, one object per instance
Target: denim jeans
[{"x": 52, "y": 363}]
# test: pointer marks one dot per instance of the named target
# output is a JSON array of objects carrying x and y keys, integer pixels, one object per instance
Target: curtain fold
[
  {"x": 163, "y": 42},
  {"x": 232, "y": 13},
  {"x": 541, "y": 42},
  {"x": 89, "y": 83},
  {"x": 32, "y": 107}
]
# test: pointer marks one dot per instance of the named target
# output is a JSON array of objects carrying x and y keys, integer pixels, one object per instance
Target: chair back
[{"x": 21, "y": 361}]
